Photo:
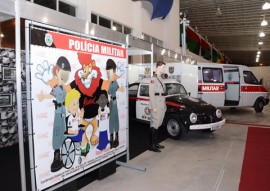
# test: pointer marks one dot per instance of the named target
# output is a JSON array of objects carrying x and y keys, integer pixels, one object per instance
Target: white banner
[{"x": 79, "y": 104}]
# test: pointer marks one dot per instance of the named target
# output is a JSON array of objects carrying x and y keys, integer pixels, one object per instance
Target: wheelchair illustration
[{"x": 70, "y": 148}]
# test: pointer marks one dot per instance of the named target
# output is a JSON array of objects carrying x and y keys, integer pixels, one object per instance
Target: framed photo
[
  {"x": 5, "y": 100},
  {"x": 8, "y": 73}
]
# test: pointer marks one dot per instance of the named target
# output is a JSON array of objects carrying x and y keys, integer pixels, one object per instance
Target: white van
[{"x": 224, "y": 85}]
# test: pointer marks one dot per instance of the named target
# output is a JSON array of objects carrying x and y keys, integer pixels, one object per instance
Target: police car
[{"x": 183, "y": 113}]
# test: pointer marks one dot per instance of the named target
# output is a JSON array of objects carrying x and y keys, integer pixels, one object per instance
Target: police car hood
[{"x": 191, "y": 103}]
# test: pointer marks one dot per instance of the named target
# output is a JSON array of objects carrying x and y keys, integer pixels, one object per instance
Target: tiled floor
[{"x": 199, "y": 162}]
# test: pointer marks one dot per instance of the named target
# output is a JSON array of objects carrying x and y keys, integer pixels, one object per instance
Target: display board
[{"x": 78, "y": 87}]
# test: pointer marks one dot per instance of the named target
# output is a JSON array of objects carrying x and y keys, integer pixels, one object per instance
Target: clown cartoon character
[
  {"x": 74, "y": 117},
  {"x": 113, "y": 88},
  {"x": 103, "y": 120},
  {"x": 61, "y": 72},
  {"x": 88, "y": 82}
]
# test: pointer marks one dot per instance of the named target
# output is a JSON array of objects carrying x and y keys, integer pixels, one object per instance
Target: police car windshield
[{"x": 175, "y": 88}]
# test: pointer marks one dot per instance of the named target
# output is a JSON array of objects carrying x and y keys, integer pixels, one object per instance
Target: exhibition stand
[{"x": 74, "y": 47}]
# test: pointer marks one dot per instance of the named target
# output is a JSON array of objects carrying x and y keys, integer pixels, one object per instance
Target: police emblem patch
[{"x": 171, "y": 69}]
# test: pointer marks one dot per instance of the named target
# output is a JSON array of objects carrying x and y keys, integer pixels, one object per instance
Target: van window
[
  {"x": 144, "y": 90},
  {"x": 249, "y": 78},
  {"x": 212, "y": 75}
]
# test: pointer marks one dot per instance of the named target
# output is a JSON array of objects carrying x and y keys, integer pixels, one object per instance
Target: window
[
  {"x": 94, "y": 18},
  {"x": 52, "y": 4},
  {"x": 212, "y": 75},
  {"x": 249, "y": 78},
  {"x": 99, "y": 20},
  {"x": 104, "y": 22},
  {"x": 117, "y": 27},
  {"x": 146, "y": 37},
  {"x": 48, "y": 3},
  {"x": 154, "y": 41},
  {"x": 127, "y": 30},
  {"x": 144, "y": 90},
  {"x": 67, "y": 9},
  {"x": 174, "y": 88},
  {"x": 132, "y": 90}
]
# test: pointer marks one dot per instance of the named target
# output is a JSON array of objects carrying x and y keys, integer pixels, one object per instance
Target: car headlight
[
  {"x": 218, "y": 113},
  {"x": 193, "y": 118}
]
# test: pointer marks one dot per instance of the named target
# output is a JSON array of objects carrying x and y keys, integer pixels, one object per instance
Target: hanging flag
[
  {"x": 214, "y": 55},
  {"x": 205, "y": 50},
  {"x": 193, "y": 41},
  {"x": 161, "y": 8}
]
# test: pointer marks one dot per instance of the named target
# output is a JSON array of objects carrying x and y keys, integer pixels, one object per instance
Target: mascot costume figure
[{"x": 88, "y": 82}]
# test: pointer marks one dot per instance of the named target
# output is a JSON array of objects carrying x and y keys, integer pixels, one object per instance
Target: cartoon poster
[{"x": 79, "y": 104}]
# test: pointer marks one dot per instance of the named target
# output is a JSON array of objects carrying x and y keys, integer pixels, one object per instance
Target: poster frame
[
  {"x": 4, "y": 73},
  {"x": 9, "y": 95},
  {"x": 28, "y": 25}
]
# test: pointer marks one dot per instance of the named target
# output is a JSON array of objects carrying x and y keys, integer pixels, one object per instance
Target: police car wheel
[
  {"x": 175, "y": 128},
  {"x": 258, "y": 106}
]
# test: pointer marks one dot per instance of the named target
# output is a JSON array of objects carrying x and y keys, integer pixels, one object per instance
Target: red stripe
[
  {"x": 174, "y": 104},
  {"x": 136, "y": 98},
  {"x": 167, "y": 102},
  {"x": 78, "y": 44},
  {"x": 253, "y": 89},
  {"x": 231, "y": 82},
  {"x": 211, "y": 88}
]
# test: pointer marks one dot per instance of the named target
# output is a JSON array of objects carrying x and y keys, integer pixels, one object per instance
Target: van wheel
[
  {"x": 175, "y": 127},
  {"x": 258, "y": 106}
]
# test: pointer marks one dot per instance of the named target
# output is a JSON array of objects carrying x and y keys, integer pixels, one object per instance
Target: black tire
[
  {"x": 174, "y": 127},
  {"x": 258, "y": 106}
]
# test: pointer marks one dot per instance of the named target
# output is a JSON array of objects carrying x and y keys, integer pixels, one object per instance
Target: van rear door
[
  {"x": 232, "y": 85},
  {"x": 211, "y": 85}
]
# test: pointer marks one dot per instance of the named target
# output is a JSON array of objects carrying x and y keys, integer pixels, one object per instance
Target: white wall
[
  {"x": 262, "y": 73},
  {"x": 137, "y": 15}
]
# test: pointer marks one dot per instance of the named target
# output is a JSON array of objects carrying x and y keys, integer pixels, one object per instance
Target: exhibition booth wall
[{"x": 48, "y": 40}]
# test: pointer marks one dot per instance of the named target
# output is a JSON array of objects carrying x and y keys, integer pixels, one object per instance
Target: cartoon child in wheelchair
[{"x": 75, "y": 135}]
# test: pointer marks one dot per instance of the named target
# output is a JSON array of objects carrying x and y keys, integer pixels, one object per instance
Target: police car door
[
  {"x": 142, "y": 103},
  {"x": 212, "y": 88}
]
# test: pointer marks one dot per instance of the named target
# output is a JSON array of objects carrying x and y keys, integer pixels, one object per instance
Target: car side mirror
[
  {"x": 261, "y": 81},
  {"x": 189, "y": 93}
]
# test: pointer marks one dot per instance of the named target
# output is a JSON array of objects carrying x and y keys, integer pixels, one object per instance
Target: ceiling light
[
  {"x": 266, "y": 6},
  {"x": 259, "y": 52},
  {"x": 257, "y": 60},
  {"x": 258, "y": 56},
  {"x": 261, "y": 64},
  {"x": 218, "y": 13},
  {"x": 2, "y": 35},
  {"x": 175, "y": 56},
  {"x": 260, "y": 43},
  {"x": 114, "y": 28},
  {"x": 262, "y": 34},
  {"x": 264, "y": 22}
]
